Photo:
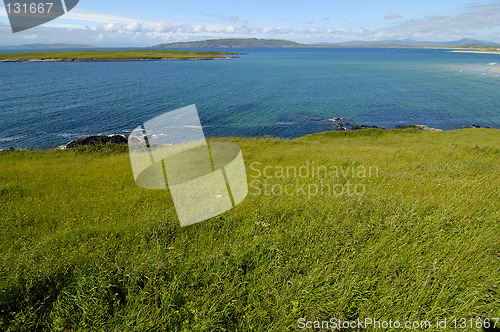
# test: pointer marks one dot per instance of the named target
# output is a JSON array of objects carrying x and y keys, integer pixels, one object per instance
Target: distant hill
[
  {"x": 235, "y": 42},
  {"x": 254, "y": 42},
  {"x": 474, "y": 43},
  {"x": 44, "y": 46},
  {"x": 466, "y": 43}
]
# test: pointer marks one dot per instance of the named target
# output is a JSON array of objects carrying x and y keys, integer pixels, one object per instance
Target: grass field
[
  {"x": 83, "y": 248},
  {"x": 121, "y": 55}
]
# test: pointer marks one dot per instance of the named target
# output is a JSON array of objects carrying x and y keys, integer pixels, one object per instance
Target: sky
[{"x": 124, "y": 23}]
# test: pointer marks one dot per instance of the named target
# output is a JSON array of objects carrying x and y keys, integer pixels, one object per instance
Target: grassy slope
[
  {"x": 83, "y": 247},
  {"x": 113, "y": 55}
]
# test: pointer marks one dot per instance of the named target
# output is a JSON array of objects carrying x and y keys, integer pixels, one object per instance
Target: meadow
[{"x": 83, "y": 248}]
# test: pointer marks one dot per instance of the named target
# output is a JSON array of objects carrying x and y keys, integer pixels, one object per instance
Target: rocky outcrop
[
  {"x": 424, "y": 127},
  {"x": 362, "y": 127},
  {"x": 98, "y": 140}
]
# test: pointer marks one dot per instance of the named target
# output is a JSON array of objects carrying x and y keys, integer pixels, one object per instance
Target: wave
[{"x": 10, "y": 139}]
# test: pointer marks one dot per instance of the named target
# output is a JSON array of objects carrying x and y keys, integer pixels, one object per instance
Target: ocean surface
[{"x": 277, "y": 92}]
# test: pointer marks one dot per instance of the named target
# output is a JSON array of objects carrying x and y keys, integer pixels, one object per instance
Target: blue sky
[{"x": 145, "y": 23}]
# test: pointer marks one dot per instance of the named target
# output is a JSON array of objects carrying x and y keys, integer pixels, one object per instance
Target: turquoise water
[{"x": 277, "y": 92}]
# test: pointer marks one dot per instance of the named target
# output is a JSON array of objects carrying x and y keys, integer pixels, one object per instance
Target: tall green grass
[{"x": 83, "y": 248}]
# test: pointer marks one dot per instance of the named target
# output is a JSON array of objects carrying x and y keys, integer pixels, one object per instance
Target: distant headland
[{"x": 234, "y": 42}]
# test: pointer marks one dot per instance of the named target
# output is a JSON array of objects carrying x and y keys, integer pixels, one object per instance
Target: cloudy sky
[{"x": 149, "y": 22}]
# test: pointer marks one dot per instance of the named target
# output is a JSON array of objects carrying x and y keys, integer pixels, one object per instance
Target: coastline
[{"x": 121, "y": 139}]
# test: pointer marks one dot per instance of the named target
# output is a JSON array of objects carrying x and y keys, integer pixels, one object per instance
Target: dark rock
[
  {"x": 340, "y": 126},
  {"x": 402, "y": 127},
  {"x": 362, "y": 127},
  {"x": 98, "y": 140},
  {"x": 118, "y": 139},
  {"x": 475, "y": 126}
]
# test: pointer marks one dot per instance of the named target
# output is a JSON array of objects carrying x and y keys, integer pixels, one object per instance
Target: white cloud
[
  {"x": 165, "y": 27},
  {"x": 441, "y": 27},
  {"x": 199, "y": 29},
  {"x": 30, "y": 36},
  {"x": 235, "y": 18},
  {"x": 230, "y": 29},
  {"x": 134, "y": 27},
  {"x": 190, "y": 29},
  {"x": 276, "y": 30},
  {"x": 110, "y": 27},
  {"x": 392, "y": 16}
]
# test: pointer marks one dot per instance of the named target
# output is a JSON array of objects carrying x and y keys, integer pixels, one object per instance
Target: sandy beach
[{"x": 476, "y": 51}]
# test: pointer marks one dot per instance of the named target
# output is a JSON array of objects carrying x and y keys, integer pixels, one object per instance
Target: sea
[{"x": 277, "y": 92}]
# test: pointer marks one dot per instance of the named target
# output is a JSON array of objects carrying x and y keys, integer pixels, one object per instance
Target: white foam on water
[{"x": 10, "y": 139}]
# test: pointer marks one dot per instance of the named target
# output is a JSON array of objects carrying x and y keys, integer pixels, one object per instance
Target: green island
[
  {"x": 83, "y": 248},
  {"x": 115, "y": 55}
]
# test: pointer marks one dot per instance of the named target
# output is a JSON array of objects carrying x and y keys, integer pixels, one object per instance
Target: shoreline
[{"x": 123, "y": 139}]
